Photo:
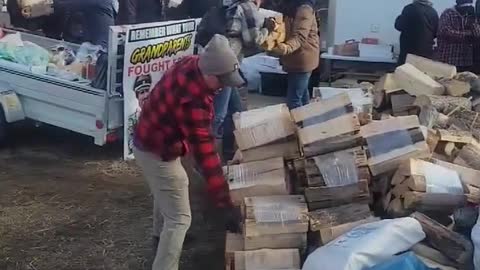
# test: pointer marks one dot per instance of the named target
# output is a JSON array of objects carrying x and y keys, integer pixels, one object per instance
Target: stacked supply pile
[
  {"x": 265, "y": 133},
  {"x": 237, "y": 258},
  {"x": 419, "y": 185},
  {"x": 259, "y": 178},
  {"x": 337, "y": 178},
  {"x": 275, "y": 222},
  {"x": 327, "y": 125},
  {"x": 274, "y": 234},
  {"x": 391, "y": 141},
  {"x": 328, "y": 224}
]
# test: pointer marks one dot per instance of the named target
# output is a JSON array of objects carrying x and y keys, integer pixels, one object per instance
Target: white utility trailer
[{"x": 73, "y": 105}]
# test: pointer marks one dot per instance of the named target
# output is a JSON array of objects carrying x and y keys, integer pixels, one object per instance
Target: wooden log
[
  {"x": 469, "y": 157},
  {"x": 340, "y": 195},
  {"x": 312, "y": 206},
  {"x": 388, "y": 84},
  {"x": 451, "y": 244},
  {"x": 357, "y": 156},
  {"x": 455, "y": 136},
  {"x": 396, "y": 209},
  {"x": 445, "y": 203},
  {"x": 326, "y": 235},
  {"x": 387, "y": 153},
  {"x": 233, "y": 242},
  {"x": 443, "y": 104},
  {"x": 432, "y": 139},
  {"x": 455, "y": 88},
  {"x": 447, "y": 148},
  {"x": 330, "y": 217},
  {"x": 267, "y": 259},
  {"x": 342, "y": 125},
  {"x": 381, "y": 184},
  {"x": 432, "y": 68},
  {"x": 278, "y": 241},
  {"x": 322, "y": 110},
  {"x": 402, "y": 102},
  {"x": 288, "y": 149},
  {"x": 333, "y": 144},
  {"x": 415, "y": 82},
  {"x": 468, "y": 175}
]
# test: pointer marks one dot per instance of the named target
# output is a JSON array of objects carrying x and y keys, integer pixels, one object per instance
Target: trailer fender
[{"x": 12, "y": 107}]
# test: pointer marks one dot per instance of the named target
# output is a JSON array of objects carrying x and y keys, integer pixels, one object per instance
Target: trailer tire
[{"x": 3, "y": 127}]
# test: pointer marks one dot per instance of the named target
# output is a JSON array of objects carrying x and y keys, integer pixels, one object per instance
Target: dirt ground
[{"x": 68, "y": 204}]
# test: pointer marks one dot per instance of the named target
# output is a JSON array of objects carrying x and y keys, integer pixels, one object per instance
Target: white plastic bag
[
  {"x": 367, "y": 245},
  {"x": 476, "y": 244}
]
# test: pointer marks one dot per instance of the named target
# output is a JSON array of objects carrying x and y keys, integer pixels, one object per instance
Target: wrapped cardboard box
[
  {"x": 263, "y": 126},
  {"x": 328, "y": 125},
  {"x": 261, "y": 178},
  {"x": 275, "y": 222}
]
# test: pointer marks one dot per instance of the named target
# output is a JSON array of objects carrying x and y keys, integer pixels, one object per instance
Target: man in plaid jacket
[
  {"x": 176, "y": 119},
  {"x": 458, "y": 32}
]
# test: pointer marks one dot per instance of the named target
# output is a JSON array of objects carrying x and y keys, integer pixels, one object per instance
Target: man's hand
[
  {"x": 220, "y": 196},
  {"x": 279, "y": 50},
  {"x": 270, "y": 24}
]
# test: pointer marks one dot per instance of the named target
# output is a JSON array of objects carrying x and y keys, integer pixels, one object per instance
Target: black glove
[{"x": 233, "y": 218}]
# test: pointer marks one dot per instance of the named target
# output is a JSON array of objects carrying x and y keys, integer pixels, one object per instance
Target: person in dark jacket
[
  {"x": 139, "y": 11},
  {"x": 98, "y": 16},
  {"x": 418, "y": 25}
]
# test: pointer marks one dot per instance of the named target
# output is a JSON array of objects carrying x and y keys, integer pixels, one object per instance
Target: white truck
[{"x": 76, "y": 106}]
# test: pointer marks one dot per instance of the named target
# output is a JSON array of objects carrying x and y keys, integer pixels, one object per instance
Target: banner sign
[{"x": 150, "y": 50}]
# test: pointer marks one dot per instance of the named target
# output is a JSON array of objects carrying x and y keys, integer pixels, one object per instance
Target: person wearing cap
[
  {"x": 176, "y": 119},
  {"x": 141, "y": 88},
  {"x": 458, "y": 31}
]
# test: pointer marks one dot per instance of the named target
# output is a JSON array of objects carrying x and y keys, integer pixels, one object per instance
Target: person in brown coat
[{"x": 300, "y": 53}]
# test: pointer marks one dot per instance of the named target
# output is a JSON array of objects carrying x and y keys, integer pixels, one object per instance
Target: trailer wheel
[{"x": 3, "y": 127}]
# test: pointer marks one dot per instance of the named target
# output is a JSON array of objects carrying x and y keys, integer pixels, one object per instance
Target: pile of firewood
[{"x": 334, "y": 164}]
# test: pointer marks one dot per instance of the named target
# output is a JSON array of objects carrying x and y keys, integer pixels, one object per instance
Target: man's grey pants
[{"x": 168, "y": 183}]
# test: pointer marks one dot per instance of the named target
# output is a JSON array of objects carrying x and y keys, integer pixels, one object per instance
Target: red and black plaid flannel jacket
[
  {"x": 456, "y": 35},
  {"x": 178, "y": 116}
]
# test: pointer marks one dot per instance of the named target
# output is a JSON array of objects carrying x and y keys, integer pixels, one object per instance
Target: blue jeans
[
  {"x": 226, "y": 103},
  {"x": 297, "y": 91}
]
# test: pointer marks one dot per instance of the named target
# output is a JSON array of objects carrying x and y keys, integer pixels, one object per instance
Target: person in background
[
  {"x": 176, "y": 118},
  {"x": 418, "y": 25},
  {"x": 457, "y": 33},
  {"x": 246, "y": 30},
  {"x": 300, "y": 53},
  {"x": 139, "y": 11},
  {"x": 95, "y": 15}
]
